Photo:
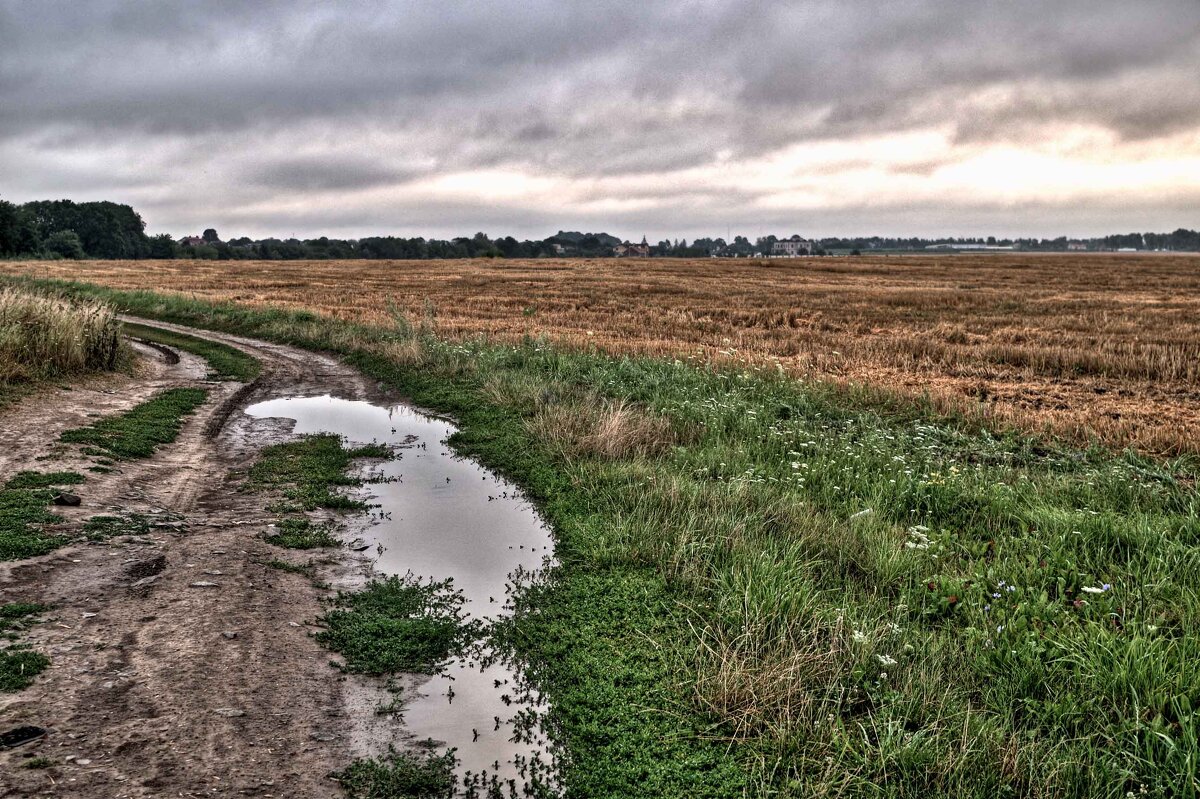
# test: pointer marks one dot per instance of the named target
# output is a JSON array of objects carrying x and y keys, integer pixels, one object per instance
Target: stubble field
[{"x": 1091, "y": 347}]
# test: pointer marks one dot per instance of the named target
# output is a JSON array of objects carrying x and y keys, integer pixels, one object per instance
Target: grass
[
  {"x": 99, "y": 528},
  {"x": 309, "y": 470},
  {"x": 303, "y": 534},
  {"x": 49, "y": 338},
  {"x": 38, "y": 762},
  {"x": 28, "y": 479},
  {"x": 790, "y": 589},
  {"x": 136, "y": 433},
  {"x": 22, "y": 514},
  {"x": 399, "y": 774},
  {"x": 18, "y": 664},
  {"x": 225, "y": 362},
  {"x": 397, "y": 625}
]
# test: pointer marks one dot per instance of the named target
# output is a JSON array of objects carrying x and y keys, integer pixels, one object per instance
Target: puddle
[{"x": 445, "y": 516}]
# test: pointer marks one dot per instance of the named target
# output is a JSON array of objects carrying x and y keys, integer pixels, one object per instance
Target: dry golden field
[{"x": 1091, "y": 346}]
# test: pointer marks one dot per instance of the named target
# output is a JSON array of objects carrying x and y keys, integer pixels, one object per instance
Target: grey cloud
[{"x": 568, "y": 88}]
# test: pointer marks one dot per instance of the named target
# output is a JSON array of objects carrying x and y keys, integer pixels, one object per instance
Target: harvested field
[{"x": 1102, "y": 347}]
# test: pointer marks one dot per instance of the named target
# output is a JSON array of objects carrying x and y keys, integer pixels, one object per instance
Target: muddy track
[{"x": 159, "y": 685}]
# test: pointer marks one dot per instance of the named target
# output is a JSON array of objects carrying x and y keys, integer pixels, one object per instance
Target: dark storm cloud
[{"x": 571, "y": 89}]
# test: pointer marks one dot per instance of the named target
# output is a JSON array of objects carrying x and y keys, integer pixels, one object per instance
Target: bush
[
  {"x": 46, "y": 337},
  {"x": 65, "y": 244}
]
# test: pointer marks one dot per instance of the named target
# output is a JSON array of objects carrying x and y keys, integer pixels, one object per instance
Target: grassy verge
[
  {"x": 400, "y": 774},
  {"x": 45, "y": 337},
  {"x": 224, "y": 362},
  {"x": 136, "y": 433},
  {"x": 773, "y": 588}
]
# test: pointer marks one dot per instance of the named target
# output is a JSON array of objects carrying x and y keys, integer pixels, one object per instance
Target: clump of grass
[
  {"x": 293, "y": 568},
  {"x": 400, "y": 774},
  {"x": 22, "y": 514},
  {"x": 38, "y": 762},
  {"x": 136, "y": 433},
  {"x": 98, "y": 528},
  {"x": 225, "y": 362},
  {"x": 592, "y": 426},
  {"x": 46, "y": 337},
  {"x": 14, "y": 615},
  {"x": 398, "y": 624},
  {"x": 308, "y": 470},
  {"x": 301, "y": 533},
  {"x": 44, "y": 479},
  {"x": 19, "y": 666}
]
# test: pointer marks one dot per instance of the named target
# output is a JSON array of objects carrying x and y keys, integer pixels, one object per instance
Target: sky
[{"x": 665, "y": 119}]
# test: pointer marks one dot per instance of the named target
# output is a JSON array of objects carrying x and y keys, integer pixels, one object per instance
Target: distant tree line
[{"x": 66, "y": 229}]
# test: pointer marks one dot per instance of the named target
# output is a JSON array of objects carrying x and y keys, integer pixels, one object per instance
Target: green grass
[
  {"x": 18, "y": 664},
  {"x": 44, "y": 479},
  {"x": 397, "y": 625},
  {"x": 225, "y": 362},
  {"x": 99, "y": 528},
  {"x": 398, "y": 775},
  {"x": 303, "y": 534},
  {"x": 136, "y": 433},
  {"x": 22, "y": 514},
  {"x": 308, "y": 471},
  {"x": 807, "y": 591},
  {"x": 38, "y": 762}
]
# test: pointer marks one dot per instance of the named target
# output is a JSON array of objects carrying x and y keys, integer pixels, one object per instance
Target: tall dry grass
[{"x": 50, "y": 337}]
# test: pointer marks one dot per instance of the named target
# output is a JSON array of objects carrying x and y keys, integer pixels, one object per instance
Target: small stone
[
  {"x": 323, "y": 736},
  {"x": 64, "y": 498},
  {"x": 229, "y": 712},
  {"x": 230, "y": 634},
  {"x": 293, "y": 624},
  {"x": 90, "y": 615},
  {"x": 203, "y": 584},
  {"x": 83, "y": 761},
  {"x": 213, "y": 572},
  {"x": 145, "y": 581}
]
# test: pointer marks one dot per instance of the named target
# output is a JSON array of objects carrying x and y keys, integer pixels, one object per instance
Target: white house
[{"x": 793, "y": 247}]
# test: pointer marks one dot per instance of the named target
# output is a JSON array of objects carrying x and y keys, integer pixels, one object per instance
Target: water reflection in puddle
[{"x": 445, "y": 516}]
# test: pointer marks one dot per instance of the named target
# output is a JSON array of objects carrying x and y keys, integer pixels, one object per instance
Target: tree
[
  {"x": 210, "y": 236},
  {"x": 18, "y": 233},
  {"x": 163, "y": 246},
  {"x": 65, "y": 244}
]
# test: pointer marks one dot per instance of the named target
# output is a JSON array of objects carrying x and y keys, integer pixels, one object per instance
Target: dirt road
[{"x": 181, "y": 664}]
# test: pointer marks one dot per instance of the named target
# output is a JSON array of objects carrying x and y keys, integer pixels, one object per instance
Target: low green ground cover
[
  {"x": 775, "y": 588},
  {"x": 19, "y": 665},
  {"x": 224, "y": 362},
  {"x": 24, "y": 512},
  {"x": 136, "y": 433},
  {"x": 398, "y": 624}
]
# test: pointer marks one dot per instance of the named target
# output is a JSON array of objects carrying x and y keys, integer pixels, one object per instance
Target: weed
[
  {"x": 14, "y": 615},
  {"x": 38, "y": 762},
  {"x": 136, "y": 433},
  {"x": 19, "y": 666}
]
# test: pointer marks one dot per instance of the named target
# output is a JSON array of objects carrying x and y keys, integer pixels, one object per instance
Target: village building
[
  {"x": 191, "y": 241},
  {"x": 793, "y": 247},
  {"x": 627, "y": 250},
  {"x": 1077, "y": 246}
]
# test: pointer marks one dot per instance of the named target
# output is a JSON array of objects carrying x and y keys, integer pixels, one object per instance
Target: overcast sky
[{"x": 823, "y": 117}]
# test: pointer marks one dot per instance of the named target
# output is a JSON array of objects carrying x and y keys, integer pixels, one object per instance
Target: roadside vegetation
[
  {"x": 139, "y": 431},
  {"x": 44, "y": 337},
  {"x": 773, "y": 587},
  {"x": 224, "y": 362}
]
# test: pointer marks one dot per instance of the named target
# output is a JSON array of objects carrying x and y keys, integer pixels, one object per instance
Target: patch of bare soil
[{"x": 181, "y": 664}]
